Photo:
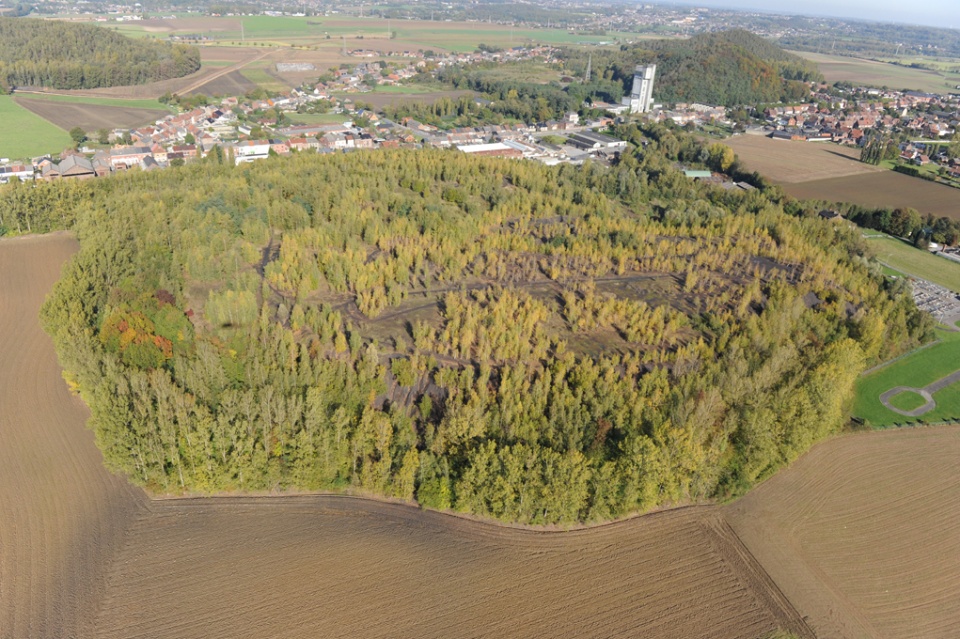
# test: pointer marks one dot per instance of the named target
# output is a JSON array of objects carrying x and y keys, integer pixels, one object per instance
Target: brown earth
[
  {"x": 90, "y": 117},
  {"x": 62, "y": 516},
  {"x": 884, "y": 189},
  {"x": 862, "y": 533},
  {"x": 789, "y": 162},
  {"x": 859, "y": 533},
  {"x": 232, "y": 83},
  {"x": 826, "y": 171}
]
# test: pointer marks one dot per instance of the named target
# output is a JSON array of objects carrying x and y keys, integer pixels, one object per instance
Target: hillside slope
[{"x": 725, "y": 68}]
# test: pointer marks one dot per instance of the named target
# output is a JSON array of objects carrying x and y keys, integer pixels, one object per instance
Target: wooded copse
[
  {"x": 65, "y": 55},
  {"x": 535, "y": 344},
  {"x": 729, "y": 68}
]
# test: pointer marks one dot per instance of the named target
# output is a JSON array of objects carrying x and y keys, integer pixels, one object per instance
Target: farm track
[
  {"x": 84, "y": 554},
  {"x": 194, "y": 86}
]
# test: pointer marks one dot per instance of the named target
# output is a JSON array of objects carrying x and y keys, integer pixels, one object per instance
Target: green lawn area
[
  {"x": 406, "y": 89},
  {"x": 916, "y": 370},
  {"x": 261, "y": 78},
  {"x": 908, "y": 400},
  {"x": 27, "y": 135},
  {"x": 903, "y": 257},
  {"x": 316, "y": 118},
  {"x": 890, "y": 272},
  {"x": 425, "y": 34},
  {"x": 115, "y": 102},
  {"x": 871, "y": 72}
]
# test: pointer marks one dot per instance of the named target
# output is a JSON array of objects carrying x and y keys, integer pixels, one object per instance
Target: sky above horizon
[{"x": 938, "y": 13}]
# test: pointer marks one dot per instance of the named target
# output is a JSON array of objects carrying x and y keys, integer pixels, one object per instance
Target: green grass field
[
  {"x": 316, "y": 118},
  {"x": 417, "y": 34},
  {"x": 916, "y": 370},
  {"x": 27, "y": 135},
  {"x": 260, "y": 77},
  {"x": 870, "y": 72},
  {"x": 908, "y": 400},
  {"x": 905, "y": 258}
]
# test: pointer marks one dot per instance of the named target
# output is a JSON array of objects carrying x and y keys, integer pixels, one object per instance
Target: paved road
[{"x": 926, "y": 392}]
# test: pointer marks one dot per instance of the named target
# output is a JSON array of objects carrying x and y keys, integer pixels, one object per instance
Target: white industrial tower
[{"x": 641, "y": 97}]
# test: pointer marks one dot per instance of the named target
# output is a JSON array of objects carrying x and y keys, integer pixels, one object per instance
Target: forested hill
[
  {"x": 65, "y": 55},
  {"x": 726, "y": 68},
  {"x": 537, "y": 344}
]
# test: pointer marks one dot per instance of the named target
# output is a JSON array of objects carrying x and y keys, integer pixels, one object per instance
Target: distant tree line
[{"x": 65, "y": 55}]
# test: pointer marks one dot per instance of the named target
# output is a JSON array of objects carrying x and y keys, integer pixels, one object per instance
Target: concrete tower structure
[{"x": 641, "y": 96}]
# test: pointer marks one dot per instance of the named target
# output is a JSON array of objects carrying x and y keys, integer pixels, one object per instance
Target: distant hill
[
  {"x": 729, "y": 68},
  {"x": 64, "y": 55}
]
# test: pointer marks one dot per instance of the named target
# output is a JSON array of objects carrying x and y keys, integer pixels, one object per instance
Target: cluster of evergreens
[
  {"x": 66, "y": 55},
  {"x": 878, "y": 148},
  {"x": 726, "y": 68},
  {"x": 537, "y": 344}
]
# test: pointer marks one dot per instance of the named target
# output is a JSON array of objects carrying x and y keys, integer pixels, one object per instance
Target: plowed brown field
[
  {"x": 62, "y": 516},
  {"x": 826, "y": 171},
  {"x": 864, "y": 521},
  {"x": 90, "y": 117},
  {"x": 863, "y": 533}
]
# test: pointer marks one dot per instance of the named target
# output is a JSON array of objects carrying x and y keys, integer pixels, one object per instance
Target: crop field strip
[
  {"x": 857, "y": 70},
  {"x": 826, "y": 171},
  {"x": 61, "y": 513},
  {"x": 90, "y": 117}
]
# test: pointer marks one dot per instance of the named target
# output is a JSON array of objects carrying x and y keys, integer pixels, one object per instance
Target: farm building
[
  {"x": 495, "y": 149},
  {"x": 590, "y": 141}
]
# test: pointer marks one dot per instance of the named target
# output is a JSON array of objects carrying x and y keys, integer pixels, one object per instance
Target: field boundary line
[
  {"x": 51, "y": 122},
  {"x": 413, "y": 508},
  {"x": 732, "y": 548},
  {"x": 197, "y": 84}
]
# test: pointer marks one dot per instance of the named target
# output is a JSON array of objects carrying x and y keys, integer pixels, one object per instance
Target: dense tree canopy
[
  {"x": 65, "y": 55},
  {"x": 537, "y": 344},
  {"x": 726, "y": 68}
]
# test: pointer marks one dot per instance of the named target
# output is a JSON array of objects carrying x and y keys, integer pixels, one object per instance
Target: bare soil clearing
[
  {"x": 342, "y": 567},
  {"x": 90, "y": 117},
  {"x": 789, "y": 162},
  {"x": 859, "y": 535}
]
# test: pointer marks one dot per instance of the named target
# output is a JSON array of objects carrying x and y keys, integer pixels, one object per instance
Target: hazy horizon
[{"x": 935, "y": 13}]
